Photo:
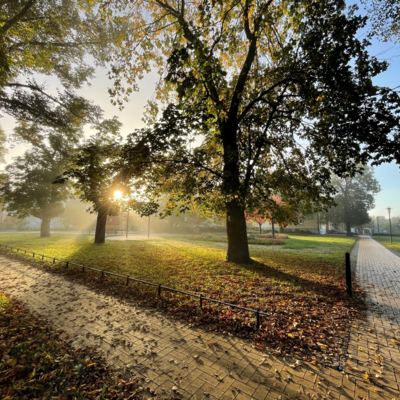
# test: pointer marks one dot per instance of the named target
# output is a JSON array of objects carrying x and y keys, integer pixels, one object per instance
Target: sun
[{"x": 117, "y": 194}]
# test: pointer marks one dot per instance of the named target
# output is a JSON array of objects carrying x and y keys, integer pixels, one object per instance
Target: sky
[{"x": 388, "y": 175}]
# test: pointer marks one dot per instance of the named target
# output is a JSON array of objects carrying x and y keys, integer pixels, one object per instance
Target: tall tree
[
  {"x": 354, "y": 198},
  {"x": 28, "y": 188},
  {"x": 252, "y": 78},
  {"x": 93, "y": 175}
]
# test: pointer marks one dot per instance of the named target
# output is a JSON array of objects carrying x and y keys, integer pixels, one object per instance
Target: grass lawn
[
  {"x": 385, "y": 240},
  {"x": 300, "y": 283}
]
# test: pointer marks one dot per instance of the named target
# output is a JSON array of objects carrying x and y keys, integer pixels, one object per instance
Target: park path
[
  {"x": 176, "y": 361},
  {"x": 374, "y": 345}
]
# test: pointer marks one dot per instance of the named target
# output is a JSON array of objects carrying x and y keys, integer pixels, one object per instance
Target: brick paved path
[
  {"x": 373, "y": 346},
  {"x": 177, "y": 362}
]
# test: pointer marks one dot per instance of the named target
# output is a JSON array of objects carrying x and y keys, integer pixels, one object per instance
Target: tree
[
  {"x": 251, "y": 78},
  {"x": 354, "y": 198},
  {"x": 3, "y": 150},
  {"x": 385, "y": 19},
  {"x": 53, "y": 38},
  {"x": 93, "y": 175},
  {"x": 275, "y": 211},
  {"x": 256, "y": 217},
  {"x": 28, "y": 188}
]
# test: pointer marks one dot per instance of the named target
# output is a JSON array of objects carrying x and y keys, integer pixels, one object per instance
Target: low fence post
[
  {"x": 201, "y": 302},
  {"x": 258, "y": 319},
  {"x": 159, "y": 290},
  {"x": 66, "y": 264},
  {"x": 348, "y": 276}
]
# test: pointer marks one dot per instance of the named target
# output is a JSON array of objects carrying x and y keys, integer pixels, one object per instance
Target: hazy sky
[{"x": 388, "y": 174}]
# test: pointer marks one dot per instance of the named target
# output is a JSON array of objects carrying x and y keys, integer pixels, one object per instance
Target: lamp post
[
  {"x": 127, "y": 224},
  {"x": 390, "y": 225},
  {"x": 379, "y": 234}
]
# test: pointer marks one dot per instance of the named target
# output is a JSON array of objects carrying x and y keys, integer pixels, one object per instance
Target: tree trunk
[
  {"x": 238, "y": 248},
  {"x": 45, "y": 227},
  {"x": 273, "y": 228},
  {"x": 100, "y": 235},
  {"x": 260, "y": 229},
  {"x": 348, "y": 229}
]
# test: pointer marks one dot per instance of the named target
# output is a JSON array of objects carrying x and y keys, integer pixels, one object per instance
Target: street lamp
[
  {"x": 390, "y": 225},
  {"x": 127, "y": 224},
  {"x": 379, "y": 234}
]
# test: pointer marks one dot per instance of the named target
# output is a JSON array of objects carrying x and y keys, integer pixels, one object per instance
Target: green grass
[
  {"x": 385, "y": 240},
  {"x": 3, "y": 300},
  {"x": 185, "y": 263},
  {"x": 301, "y": 280}
]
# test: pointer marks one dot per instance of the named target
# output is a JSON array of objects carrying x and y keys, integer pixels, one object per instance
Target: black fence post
[
  {"x": 159, "y": 290},
  {"x": 66, "y": 264},
  {"x": 348, "y": 276},
  {"x": 258, "y": 319},
  {"x": 201, "y": 302}
]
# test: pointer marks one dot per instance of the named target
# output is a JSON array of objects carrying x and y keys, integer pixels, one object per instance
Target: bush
[
  {"x": 223, "y": 239},
  {"x": 269, "y": 236}
]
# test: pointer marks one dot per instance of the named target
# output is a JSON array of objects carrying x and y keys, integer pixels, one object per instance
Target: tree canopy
[
  {"x": 354, "y": 198},
  {"x": 28, "y": 188},
  {"x": 93, "y": 174},
  {"x": 50, "y": 38},
  {"x": 385, "y": 19},
  {"x": 260, "y": 98}
]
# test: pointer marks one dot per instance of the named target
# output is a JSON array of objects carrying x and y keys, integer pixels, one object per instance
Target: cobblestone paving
[{"x": 176, "y": 361}]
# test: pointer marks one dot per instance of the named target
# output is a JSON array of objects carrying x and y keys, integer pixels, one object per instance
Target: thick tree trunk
[
  {"x": 273, "y": 228},
  {"x": 100, "y": 235},
  {"x": 238, "y": 248},
  {"x": 45, "y": 227},
  {"x": 348, "y": 229}
]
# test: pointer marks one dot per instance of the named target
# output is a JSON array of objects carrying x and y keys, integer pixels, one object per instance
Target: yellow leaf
[{"x": 290, "y": 335}]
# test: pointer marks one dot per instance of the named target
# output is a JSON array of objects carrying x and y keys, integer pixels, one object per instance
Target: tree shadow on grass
[{"x": 318, "y": 287}]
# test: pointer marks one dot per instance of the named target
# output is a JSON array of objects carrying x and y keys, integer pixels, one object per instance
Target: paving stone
[{"x": 92, "y": 319}]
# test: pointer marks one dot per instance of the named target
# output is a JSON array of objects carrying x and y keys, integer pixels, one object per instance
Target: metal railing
[{"x": 160, "y": 287}]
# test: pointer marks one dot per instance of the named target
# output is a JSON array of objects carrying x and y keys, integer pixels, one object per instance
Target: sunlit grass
[
  {"x": 385, "y": 240},
  {"x": 3, "y": 300},
  {"x": 190, "y": 264}
]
